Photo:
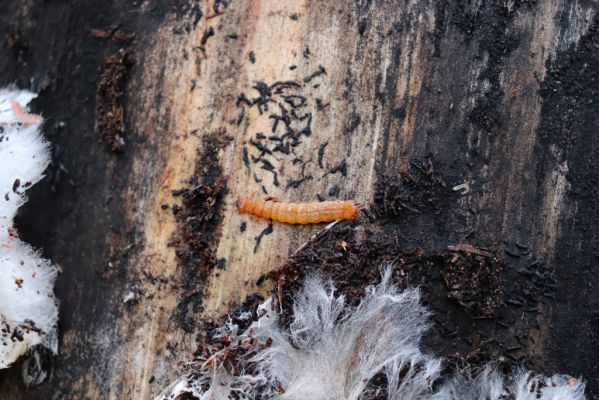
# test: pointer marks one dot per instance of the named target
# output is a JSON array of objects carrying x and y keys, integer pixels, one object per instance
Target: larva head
[{"x": 350, "y": 210}]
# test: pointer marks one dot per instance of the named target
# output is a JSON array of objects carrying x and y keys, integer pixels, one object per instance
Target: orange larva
[{"x": 297, "y": 213}]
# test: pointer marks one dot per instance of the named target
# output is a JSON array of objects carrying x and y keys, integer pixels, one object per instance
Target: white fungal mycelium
[
  {"x": 28, "y": 308},
  {"x": 332, "y": 351}
]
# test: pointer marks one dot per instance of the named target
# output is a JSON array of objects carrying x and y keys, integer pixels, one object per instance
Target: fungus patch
[
  {"x": 332, "y": 351},
  {"x": 28, "y": 308}
]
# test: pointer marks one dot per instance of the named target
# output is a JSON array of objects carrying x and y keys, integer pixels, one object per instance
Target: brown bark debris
[{"x": 110, "y": 113}]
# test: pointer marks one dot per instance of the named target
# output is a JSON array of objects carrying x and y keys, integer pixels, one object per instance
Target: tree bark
[{"x": 502, "y": 96}]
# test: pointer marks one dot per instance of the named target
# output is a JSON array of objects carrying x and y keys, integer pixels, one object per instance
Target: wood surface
[{"x": 501, "y": 95}]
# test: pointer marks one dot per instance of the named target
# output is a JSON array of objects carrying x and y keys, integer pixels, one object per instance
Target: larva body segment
[{"x": 297, "y": 213}]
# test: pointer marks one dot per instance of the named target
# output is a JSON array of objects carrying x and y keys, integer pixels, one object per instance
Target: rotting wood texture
[{"x": 301, "y": 100}]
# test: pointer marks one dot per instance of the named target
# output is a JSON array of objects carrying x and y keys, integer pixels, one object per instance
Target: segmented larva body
[{"x": 297, "y": 213}]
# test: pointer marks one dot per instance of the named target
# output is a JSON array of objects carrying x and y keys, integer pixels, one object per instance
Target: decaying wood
[{"x": 501, "y": 96}]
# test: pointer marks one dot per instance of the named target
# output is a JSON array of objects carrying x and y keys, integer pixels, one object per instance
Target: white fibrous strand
[
  {"x": 28, "y": 308},
  {"x": 332, "y": 352}
]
